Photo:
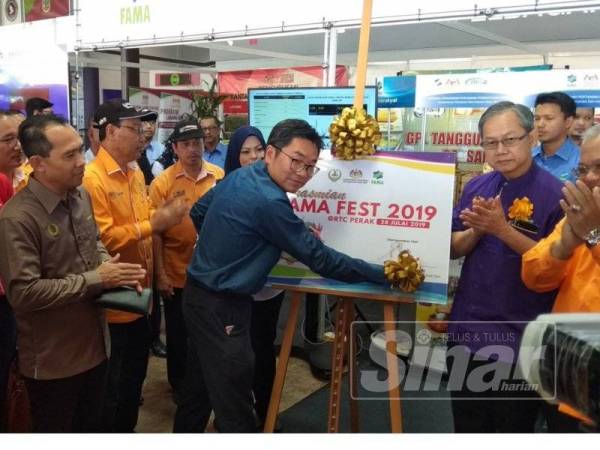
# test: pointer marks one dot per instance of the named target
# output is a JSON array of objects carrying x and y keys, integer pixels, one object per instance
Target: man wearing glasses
[
  {"x": 11, "y": 155},
  {"x": 244, "y": 224},
  {"x": 569, "y": 259},
  {"x": 214, "y": 151},
  {"x": 500, "y": 216},
  {"x": 123, "y": 216}
]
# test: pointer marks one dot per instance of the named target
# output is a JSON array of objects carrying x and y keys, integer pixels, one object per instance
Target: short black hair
[
  {"x": 210, "y": 116},
  {"x": 32, "y": 134},
  {"x": 285, "y": 131},
  {"x": 36, "y": 103},
  {"x": 591, "y": 108},
  {"x": 564, "y": 101}
]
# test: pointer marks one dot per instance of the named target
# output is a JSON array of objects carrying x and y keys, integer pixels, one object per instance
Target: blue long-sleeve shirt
[{"x": 244, "y": 224}]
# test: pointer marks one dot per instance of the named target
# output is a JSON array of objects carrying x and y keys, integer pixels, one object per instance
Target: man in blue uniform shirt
[
  {"x": 557, "y": 153},
  {"x": 214, "y": 151},
  {"x": 244, "y": 224}
]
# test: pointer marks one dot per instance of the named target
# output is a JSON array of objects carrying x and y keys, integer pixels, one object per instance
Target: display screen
[{"x": 317, "y": 106}]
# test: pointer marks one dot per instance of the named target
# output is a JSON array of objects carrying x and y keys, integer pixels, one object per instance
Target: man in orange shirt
[
  {"x": 125, "y": 222},
  {"x": 189, "y": 178},
  {"x": 569, "y": 258}
]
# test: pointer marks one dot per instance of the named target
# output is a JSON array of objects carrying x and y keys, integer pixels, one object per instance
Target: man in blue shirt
[
  {"x": 499, "y": 216},
  {"x": 244, "y": 224},
  {"x": 557, "y": 153},
  {"x": 214, "y": 151},
  {"x": 151, "y": 151}
]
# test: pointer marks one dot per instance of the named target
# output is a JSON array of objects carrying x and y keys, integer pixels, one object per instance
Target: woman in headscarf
[{"x": 247, "y": 146}]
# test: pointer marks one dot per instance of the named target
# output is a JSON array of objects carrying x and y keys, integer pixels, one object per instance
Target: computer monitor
[{"x": 316, "y": 105}]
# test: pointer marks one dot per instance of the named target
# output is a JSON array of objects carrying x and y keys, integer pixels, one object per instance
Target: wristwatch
[{"x": 592, "y": 238}]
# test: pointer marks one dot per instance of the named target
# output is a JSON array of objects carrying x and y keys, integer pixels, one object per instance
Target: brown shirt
[{"x": 49, "y": 250}]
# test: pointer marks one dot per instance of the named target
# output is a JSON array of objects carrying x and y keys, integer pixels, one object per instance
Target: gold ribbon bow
[
  {"x": 405, "y": 274},
  {"x": 354, "y": 134}
]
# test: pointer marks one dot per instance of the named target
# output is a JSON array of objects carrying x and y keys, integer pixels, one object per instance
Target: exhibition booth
[{"x": 401, "y": 198}]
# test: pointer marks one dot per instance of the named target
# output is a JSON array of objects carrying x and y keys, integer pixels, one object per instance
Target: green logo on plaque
[{"x": 175, "y": 79}]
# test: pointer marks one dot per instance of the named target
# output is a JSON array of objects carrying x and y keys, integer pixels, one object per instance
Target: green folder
[{"x": 126, "y": 299}]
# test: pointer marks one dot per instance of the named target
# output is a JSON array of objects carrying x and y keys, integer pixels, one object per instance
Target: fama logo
[
  {"x": 377, "y": 177},
  {"x": 132, "y": 15},
  {"x": 334, "y": 174}
]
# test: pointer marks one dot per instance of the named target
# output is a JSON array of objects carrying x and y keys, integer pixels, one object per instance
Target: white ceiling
[
  {"x": 534, "y": 35},
  {"x": 521, "y": 41}
]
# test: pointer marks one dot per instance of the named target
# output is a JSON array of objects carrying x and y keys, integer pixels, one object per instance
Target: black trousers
[
  {"x": 155, "y": 315},
  {"x": 68, "y": 405},
  {"x": 510, "y": 410},
  {"x": 176, "y": 339},
  {"x": 263, "y": 331},
  {"x": 8, "y": 344},
  {"x": 220, "y": 365},
  {"x": 130, "y": 344}
]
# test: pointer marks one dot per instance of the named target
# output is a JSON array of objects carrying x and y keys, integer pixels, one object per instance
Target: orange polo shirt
[
  {"x": 179, "y": 241},
  {"x": 122, "y": 212},
  {"x": 21, "y": 176},
  {"x": 577, "y": 278}
]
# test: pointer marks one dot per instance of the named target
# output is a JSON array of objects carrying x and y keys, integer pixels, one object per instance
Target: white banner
[
  {"x": 480, "y": 90},
  {"x": 375, "y": 208},
  {"x": 144, "y": 98},
  {"x": 172, "y": 107}
]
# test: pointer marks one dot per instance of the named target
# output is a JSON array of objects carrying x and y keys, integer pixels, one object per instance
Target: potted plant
[{"x": 207, "y": 103}]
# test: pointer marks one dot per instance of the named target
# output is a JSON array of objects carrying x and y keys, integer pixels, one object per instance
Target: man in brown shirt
[{"x": 53, "y": 266}]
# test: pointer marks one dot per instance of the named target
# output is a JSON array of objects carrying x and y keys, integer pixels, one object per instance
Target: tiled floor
[{"x": 158, "y": 410}]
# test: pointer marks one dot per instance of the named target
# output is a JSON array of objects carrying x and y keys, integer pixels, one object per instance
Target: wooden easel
[
  {"x": 345, "y": 309},
  {"x": 341, "y": 345}
]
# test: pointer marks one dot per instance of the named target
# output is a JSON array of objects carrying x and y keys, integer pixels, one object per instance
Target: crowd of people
[{"x": 202, "y": 224}]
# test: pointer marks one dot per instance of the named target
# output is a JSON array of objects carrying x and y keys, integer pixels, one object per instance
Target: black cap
[
  {"x": 186, "y": 129},
  {"x": 36, "y": 103},
  {"x": 113, "y": 112}
]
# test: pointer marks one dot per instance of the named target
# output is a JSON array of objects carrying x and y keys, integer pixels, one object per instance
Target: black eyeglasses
[
  {"x": 506, "y": 142},
  {"x": 139, "y": 131},
  {"x": 299, "y": 166},
  {"x": 209, "y": 129}
]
